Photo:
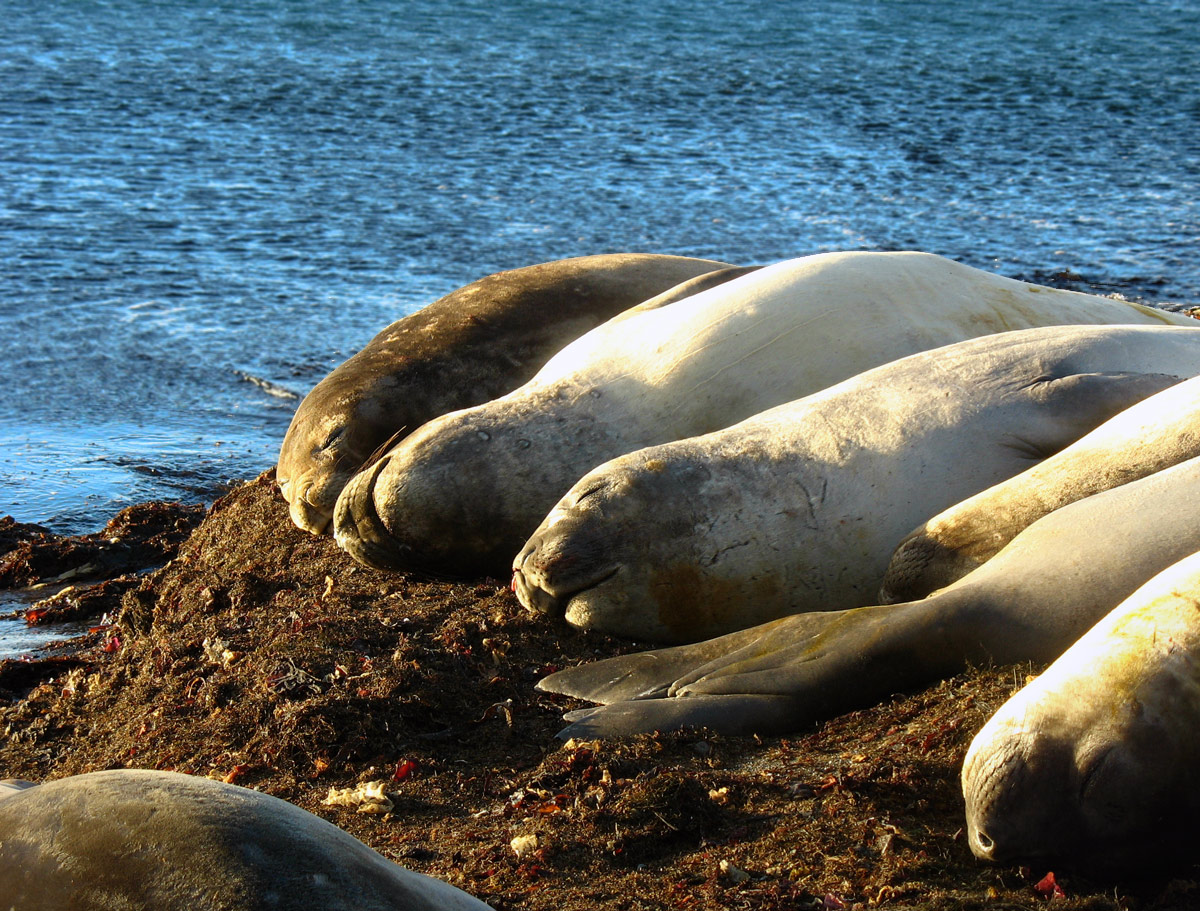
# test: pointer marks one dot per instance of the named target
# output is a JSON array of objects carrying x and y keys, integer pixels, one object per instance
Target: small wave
[{"x": 267, "y": 386}]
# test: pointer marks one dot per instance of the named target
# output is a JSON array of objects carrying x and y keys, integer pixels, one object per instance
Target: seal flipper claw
[
  {"x": 614, "y": 680},
  {"x": 743, "y": 714}
]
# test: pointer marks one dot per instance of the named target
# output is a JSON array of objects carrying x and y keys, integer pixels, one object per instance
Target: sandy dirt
[{"x": 264, "y": 656}]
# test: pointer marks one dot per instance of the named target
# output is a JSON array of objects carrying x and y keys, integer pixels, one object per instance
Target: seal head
[
  {"x": 472, "y": 345},
  {"x": 1093, "y": 762}
]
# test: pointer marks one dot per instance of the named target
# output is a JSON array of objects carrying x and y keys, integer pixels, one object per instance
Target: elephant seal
[
  {"x": 1028, "y": 603},
  {"x": 141, "y": 839},
  {"x": 1093, "y": 761},
  {"x": 468, "y": 347},
  {"x": 460, "y": 495},
  {"x": 1152, "y": 435},
  {"x": 800, "y": 508}
]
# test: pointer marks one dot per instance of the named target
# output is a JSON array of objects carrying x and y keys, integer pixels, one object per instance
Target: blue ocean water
[{"x": 207, "y": 205}]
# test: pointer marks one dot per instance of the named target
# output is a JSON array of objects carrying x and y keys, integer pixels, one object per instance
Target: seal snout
[
  {"x": 309, "y": 506},
  {"x": 534, "y": 597},
  {"x": 530, "y": 580},
  {"x": 1017, "y": 783},
  {"x": 552, "y": 568},
  {"x": 307, "y": 517},
  {"x": 994, "y": 771},
  {"x": 357, "y": 526},
  {"x": 919, "y": 566}
]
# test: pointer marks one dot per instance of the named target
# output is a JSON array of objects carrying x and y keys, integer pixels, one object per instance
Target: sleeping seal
[
  {"x": 140, "y": 839},
  {"x": 470, "y": 346},
  {"x": 1094, "y": 760},
  {"x": 799, "y": 508},
  {"x": 1161, "y": 431},
  {"x": 460, "y": 495},
  {"x": 1028, "y": 603}
]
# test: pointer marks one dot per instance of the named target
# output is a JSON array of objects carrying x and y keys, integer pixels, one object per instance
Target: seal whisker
[{"x": 382, "y": 449}]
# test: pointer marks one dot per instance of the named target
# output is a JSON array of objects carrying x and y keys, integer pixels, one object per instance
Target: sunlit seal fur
[
  {"x": 463, "y": 493},
  {"x": 468, "y": 347},
  {"x": 11, "y": 786},
  {"x": 170, "y": 842},
  {"x": 1159, "y": 432},
  {"x": 1094, "y": 762},
  {"x": 800, "y": 508},
  {"x": 1028, "y": 603}
]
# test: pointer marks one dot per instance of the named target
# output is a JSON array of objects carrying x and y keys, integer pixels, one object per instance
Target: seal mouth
[
  {"x": 567, "y": 556},
  {"x": 539, "y": 598},
  {"x": 310, "y": 517},
  {"x": 311, "y": 498},
  {"x": 358, "y": 528}
]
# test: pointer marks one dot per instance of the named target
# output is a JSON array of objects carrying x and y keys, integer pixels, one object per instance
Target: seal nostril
[
  {"x": 984, "y": 843},
  {"x": 530, "y": 548}
]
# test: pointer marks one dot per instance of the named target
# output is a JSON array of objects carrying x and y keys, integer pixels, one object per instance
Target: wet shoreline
[{"x": 55, "y": 585}]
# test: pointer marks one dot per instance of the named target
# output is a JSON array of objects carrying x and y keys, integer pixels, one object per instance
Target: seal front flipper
[
  {"x": 749, "y": 713},
  {"x": 653, "y": 674},
  {"x": 775, "y": 677}
]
